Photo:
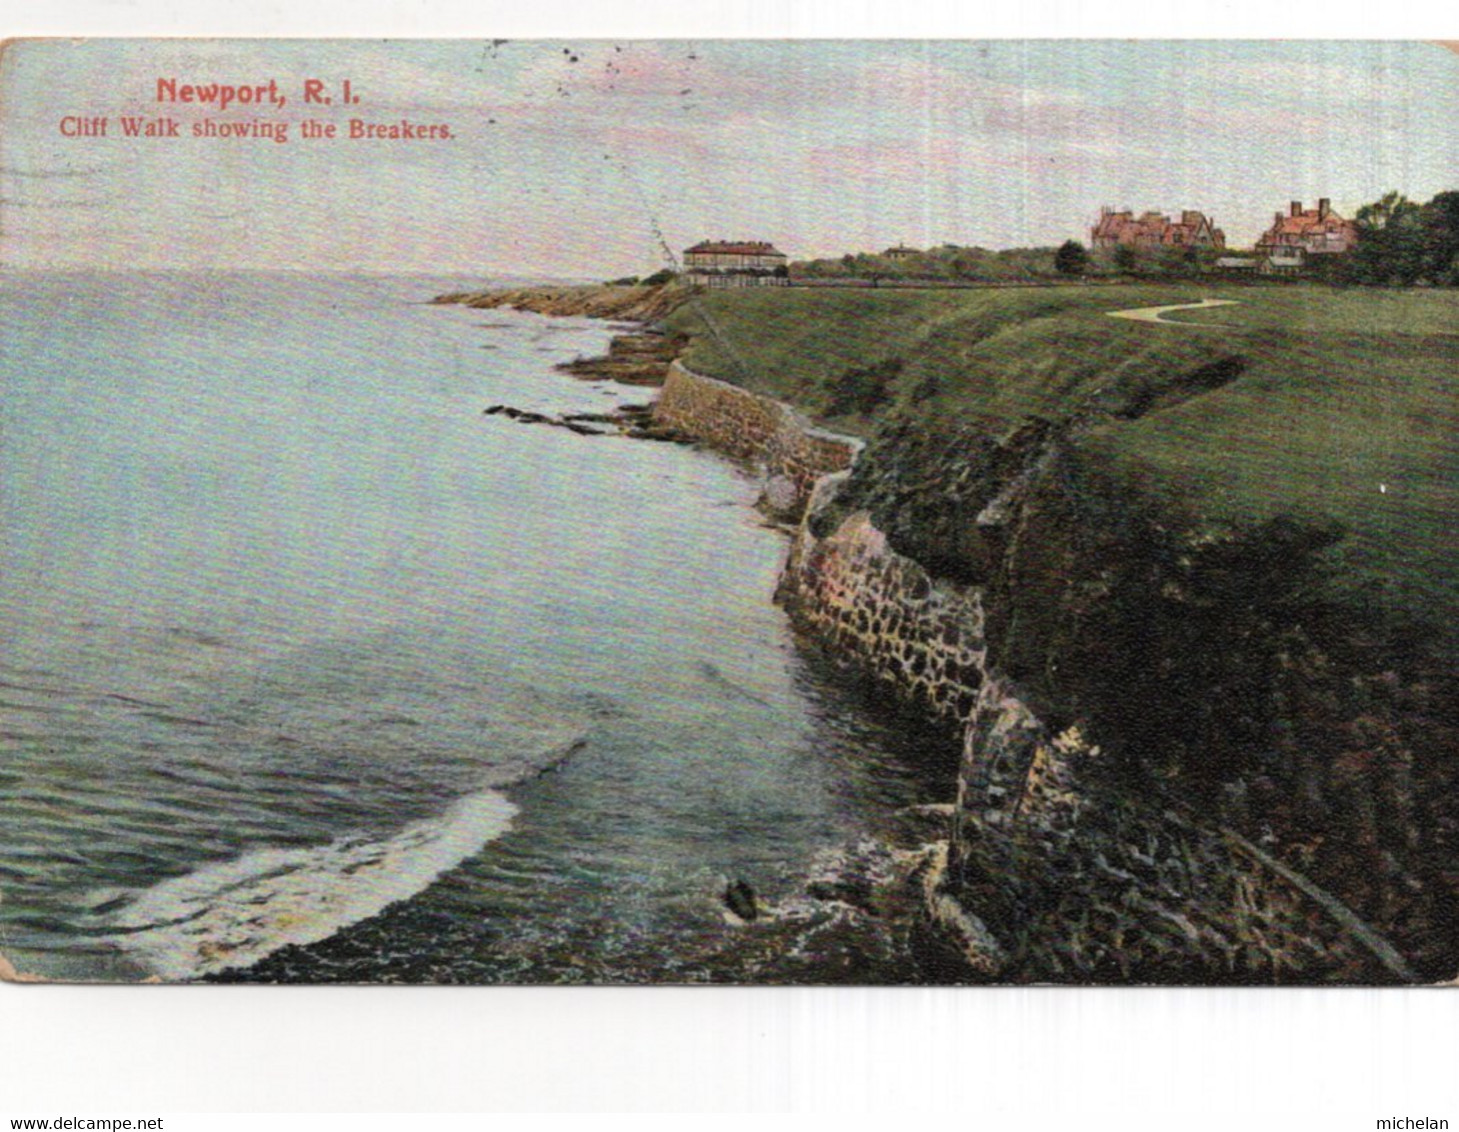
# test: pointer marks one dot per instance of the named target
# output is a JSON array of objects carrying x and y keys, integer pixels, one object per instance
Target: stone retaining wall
[
  {"x": 849, "y": 589},
  {"x": 882, "y": 609},
  {"x": 748, "y": 426},
  {"x": 1050, "y": 872}
]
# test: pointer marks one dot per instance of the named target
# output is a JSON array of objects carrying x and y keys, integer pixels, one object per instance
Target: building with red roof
[
  {"x": 1153, "y": 230},
  {"x": 1300, "y": 232},
  {"x": 728, "y": 263}
]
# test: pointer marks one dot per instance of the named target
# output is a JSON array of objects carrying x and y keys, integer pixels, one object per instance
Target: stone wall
[
  {"x": 849, "y": 589},
  {"x": 1053, "y": 868},
  {"x": 793, "y": 453},
  {"x": 881, "y": 609}
]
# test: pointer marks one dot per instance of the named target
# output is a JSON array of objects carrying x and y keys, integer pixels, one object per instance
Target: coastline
[
  {"x": 1040, "y": 814},
  {"x": 637, "y": 303},
  {"x": 856, "y": 916},
  {"x": 712, "y": 739}
]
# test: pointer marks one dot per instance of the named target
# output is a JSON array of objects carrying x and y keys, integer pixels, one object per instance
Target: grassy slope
[{"x": 1345, "y": 407}]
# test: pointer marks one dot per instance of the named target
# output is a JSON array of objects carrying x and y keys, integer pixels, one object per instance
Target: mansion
[{"x": 720, "y": 263}]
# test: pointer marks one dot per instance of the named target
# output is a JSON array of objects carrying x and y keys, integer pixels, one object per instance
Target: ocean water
[{"x": 312, "y": 671}]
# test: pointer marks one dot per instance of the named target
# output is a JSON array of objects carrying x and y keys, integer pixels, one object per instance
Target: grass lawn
[{"x": 1301, "y": 400}]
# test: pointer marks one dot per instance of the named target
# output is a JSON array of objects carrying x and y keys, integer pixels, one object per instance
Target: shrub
[
  {"x": 1071, "y": 258},
  {"x": 863, "y": 389}
]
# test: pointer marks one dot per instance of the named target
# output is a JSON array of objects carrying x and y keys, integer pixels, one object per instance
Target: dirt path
[{"x": 1152, "y": 314}]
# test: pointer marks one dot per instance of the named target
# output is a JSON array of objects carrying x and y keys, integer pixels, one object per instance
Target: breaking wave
[{"x": 233, "y": 913}]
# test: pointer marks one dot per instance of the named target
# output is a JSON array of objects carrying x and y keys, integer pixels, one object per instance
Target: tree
[
  {"x": 1071, "y": 258},
  {"x": 1441, "y": 239},
  {"x": 1184, "y": 260},
  {"x": 1126, "y": 258},
  {"x": 966, "y": 263},
  {"x": 1391, "y": 242}
]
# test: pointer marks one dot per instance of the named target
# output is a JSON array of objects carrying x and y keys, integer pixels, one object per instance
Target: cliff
[
  {"x": 1174, "y": 768},
  {"x": 1065, "y": 860},
  {"x": 1196, "y": 667}
]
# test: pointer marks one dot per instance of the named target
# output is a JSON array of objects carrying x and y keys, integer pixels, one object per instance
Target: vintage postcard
[{"x": 758, "y": 512}]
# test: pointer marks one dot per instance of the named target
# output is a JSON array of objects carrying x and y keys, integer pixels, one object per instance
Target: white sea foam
[{"x": 234, "y": 913}]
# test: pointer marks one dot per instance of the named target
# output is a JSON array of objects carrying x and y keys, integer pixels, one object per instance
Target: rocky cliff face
[
  {"x": 1182, "y": 759},
  {"x": 1176, "y": 764}
]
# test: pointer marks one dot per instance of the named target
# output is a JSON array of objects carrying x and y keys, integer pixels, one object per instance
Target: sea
[{"x": 311, "y": 671}]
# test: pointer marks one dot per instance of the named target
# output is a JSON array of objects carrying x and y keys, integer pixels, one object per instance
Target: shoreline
[
  {"x": 860, "y": 894},
  {"x": 1034, "y": 794},
  {"x": 792, "y": 914},
  {"x": 583, "y": 300}
]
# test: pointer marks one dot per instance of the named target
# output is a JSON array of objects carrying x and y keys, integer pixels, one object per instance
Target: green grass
[{"x": 1346, "y": 406}]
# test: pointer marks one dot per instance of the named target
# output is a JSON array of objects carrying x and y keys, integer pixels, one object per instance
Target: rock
[
  {"x": 780, "y": 496},
  {"x": 668, "y": 435},
  {"x": 517, "y": 414},
  {"x": 590, "y": 418},
  {"x": 740, "y": 899},
  {"x": 571, "y": 423},
  {"x": 856, "y": 891}
]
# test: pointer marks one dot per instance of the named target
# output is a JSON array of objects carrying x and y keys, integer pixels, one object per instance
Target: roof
[
  {"x": 1309, "y": 223},
  {"x": 1153, "y": 225},
  {"x": 744, "y": 247}
]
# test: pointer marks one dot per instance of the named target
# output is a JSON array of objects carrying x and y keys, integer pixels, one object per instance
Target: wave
[{"x": 234, "y": 913}]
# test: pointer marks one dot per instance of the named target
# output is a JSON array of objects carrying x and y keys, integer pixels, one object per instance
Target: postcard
[{"x": 729, "y": 512}]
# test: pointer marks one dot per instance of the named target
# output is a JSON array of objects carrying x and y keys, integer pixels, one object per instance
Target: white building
[{"x": 749, "y": 263}]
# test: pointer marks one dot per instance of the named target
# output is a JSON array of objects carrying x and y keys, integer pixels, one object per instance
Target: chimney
[
  {"x": 1296, "y": 208},
  {"x": 1324, "y": 206},
  {"x": 1278, "y": 219}
]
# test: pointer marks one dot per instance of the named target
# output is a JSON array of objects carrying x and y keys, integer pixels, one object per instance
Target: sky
[{"x": 597, "y": 158}]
